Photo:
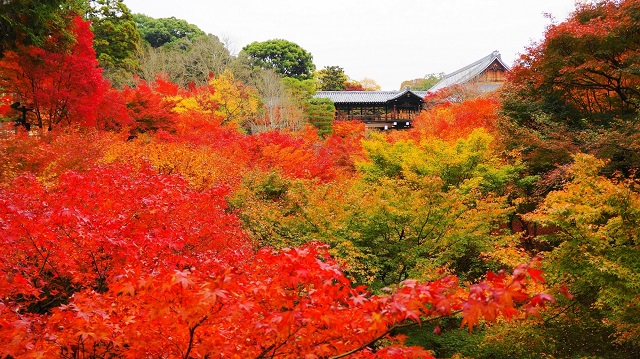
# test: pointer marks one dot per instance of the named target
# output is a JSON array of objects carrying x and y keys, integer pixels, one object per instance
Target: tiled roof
[
  {"x": 468, "y": 72},
  {"x": 421, "y": 94},
  {"x": 370, "y": 97}
]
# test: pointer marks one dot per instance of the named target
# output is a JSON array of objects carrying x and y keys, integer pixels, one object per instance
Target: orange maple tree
[
  {"x": 453, "y": 120},
  {"x": 344, "y": 143}
]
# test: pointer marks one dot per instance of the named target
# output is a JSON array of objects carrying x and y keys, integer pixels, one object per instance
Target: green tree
[
  {"x": 424, "y": 83},
  {"x": 332, "y": 78},
  {"x": 301, "y": 93},
  {"x": 285, "y": 57},
  {"x": 591, "y": 253},
  {"x": 431, "y": 205},
  {"x": 159, "y": 32},
  {"x": 592, "y": 256},
  {"x": 241, "y": 67},
  {"x": 116, "y": 39},
  {"x": 410, "y": 210},
  {"x": 321, "y": 112},
  {"x": 25, "y": 22}
]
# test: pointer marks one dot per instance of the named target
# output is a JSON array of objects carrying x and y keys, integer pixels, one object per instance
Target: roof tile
[
  {"x": 468, "y": 72},
  {"x": 369, "y": 97}
]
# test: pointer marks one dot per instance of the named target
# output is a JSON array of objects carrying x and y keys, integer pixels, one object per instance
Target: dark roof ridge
[{"x": 404, "y": 92}]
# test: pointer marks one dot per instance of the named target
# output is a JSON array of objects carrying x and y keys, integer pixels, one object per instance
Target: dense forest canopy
[{"x": 162, "y": 196}]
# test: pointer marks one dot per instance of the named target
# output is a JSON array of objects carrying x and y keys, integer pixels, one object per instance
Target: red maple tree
[
  {"x": 60, "y": 84},
  {"x": 117, "y": 263}
]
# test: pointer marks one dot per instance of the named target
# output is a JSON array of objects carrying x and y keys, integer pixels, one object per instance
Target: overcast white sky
[{"x": 388, "y": 41}]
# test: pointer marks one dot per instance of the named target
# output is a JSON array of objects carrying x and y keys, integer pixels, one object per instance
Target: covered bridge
[{"x": 377, "y": 109}]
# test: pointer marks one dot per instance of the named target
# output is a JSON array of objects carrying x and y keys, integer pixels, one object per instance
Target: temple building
[
  {"x": 377, "y": 109},
  {"x": 387, "y": 110},
  {"x": 487, "y": 74}
]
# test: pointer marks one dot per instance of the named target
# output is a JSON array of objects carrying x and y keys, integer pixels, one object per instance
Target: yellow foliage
[
  {"x": 188, "y": 104},
  {"x": 510, "y": 254},
  {"x": 202, "y": 167},
  {"x": 236, "y": 102}
]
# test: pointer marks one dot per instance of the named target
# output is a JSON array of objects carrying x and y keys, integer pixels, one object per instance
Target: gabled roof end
[{"x": 469, "y": 72}]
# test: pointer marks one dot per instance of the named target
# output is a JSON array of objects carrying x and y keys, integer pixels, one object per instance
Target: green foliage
[
  {"x": 300, "y": 91},
  {"x": 270, "y": 211},
  {"x": 116, "y": 39},
  {"x": 591, "y": 262},
  {"x": 416, "y": 209},
  {"x": 285, "y": 57},
  {"x": 160, "y": 32},
  {"x": 25, "y": 22},
  {"x": 450, "y": 342},
  {"x": 321, "y": 113},
  {"x": 468, "y": 162},
  {"x": 430, "y": 206},
  {"x": 424, "y": 83},
  {"x": 597, "y": 244},
  {"x": 303, "y": 90},
  {"x": 318, "y": 112},
  {"x": 565, "y": 332},
  {"x": 332, "y": 78}
]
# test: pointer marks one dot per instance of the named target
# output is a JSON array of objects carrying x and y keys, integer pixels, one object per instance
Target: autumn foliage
[
  {"x": 130, "y": 244},
  {"x": 136, "y": 264},
  {"x": 585, "y": 65},
  {"x": 164, "y": 221},
  {"x": 61, "y": 84},
  {"x": 577, "y": 90},
  {"x": 452, "y": 120}
]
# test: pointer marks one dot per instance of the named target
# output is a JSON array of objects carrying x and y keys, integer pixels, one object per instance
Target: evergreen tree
[
  {"x": 285, "y": 57},
  {"x": 116, "y": 39}
]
